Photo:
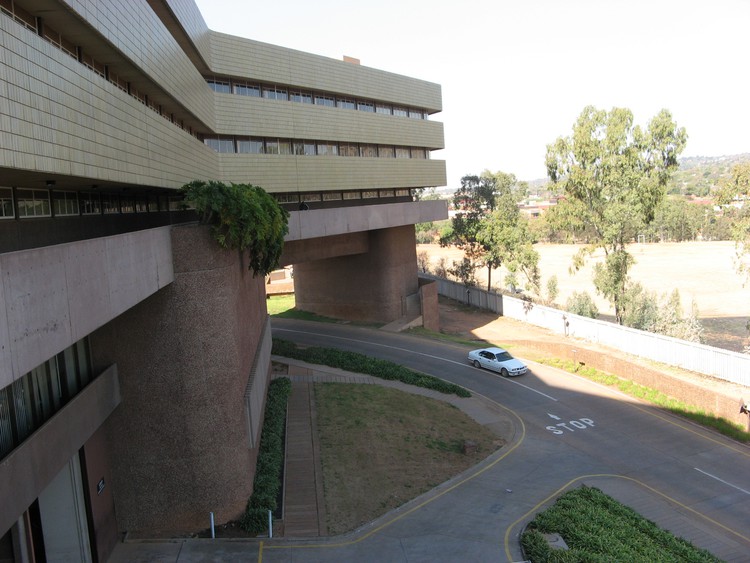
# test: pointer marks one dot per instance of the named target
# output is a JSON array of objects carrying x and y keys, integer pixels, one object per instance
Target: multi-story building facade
[{"x": 134, "y": 352}]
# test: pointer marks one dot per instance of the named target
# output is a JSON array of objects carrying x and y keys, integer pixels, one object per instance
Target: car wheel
[
  {"x": 504, "y": 372},
  {"x": 477, "y": 364}
]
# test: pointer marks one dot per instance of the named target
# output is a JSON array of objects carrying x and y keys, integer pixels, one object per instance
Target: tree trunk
[{"x": 489, "y": 278}]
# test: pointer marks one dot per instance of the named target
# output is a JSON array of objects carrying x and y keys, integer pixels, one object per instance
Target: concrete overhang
[{"x": 316, "y": 223}]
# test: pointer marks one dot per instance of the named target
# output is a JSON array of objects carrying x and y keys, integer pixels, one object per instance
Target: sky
[{"x": 515, "y": 75}]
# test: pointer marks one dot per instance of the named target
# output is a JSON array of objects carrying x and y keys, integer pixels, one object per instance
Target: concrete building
[{"x": 134, "y": 352}]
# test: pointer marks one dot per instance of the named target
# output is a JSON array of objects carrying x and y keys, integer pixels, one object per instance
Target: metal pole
[
  {"x": 270, "y": 525},
  {"x": 213, "y": 533}
]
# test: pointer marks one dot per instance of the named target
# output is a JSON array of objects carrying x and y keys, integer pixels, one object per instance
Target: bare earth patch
[
  {"x": 703, "y": 272},
  {"x": 381, "y": 447}
]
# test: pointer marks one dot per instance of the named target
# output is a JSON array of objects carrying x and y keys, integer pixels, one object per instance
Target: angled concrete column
[{"x": 371, "y": 286}]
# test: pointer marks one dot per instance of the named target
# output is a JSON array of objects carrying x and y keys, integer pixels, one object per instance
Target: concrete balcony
[{"x": 53, "y": 296}]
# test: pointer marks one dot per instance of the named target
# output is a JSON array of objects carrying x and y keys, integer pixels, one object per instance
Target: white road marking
[
  {"x": 722, "y": 481},
  {"x": 505, "y": 379},
  {"x": 553, "y": 416}
]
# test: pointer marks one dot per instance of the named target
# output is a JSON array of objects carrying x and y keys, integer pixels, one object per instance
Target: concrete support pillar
[
  {"x": 179, "y": 439},
  {"x": 369, "y": 287}
]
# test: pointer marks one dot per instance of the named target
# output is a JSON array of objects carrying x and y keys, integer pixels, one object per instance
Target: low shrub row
[
  {"x": 596, "y": 527},
  {"x": 270, "y": 465},
  {"x": 359, "y": 363}
]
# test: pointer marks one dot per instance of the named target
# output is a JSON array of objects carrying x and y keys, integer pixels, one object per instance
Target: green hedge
[
  {"x": 598, "y": 528},
  {"x": 270, "y": 464},
  {"x": 359, "y": 363}
]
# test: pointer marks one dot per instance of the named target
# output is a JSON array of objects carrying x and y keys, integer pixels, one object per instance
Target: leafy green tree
[
  {"x": 612, "y": 176},
  {"x": 242, "y": 217},
  {"x": 553, "y": 289},
  {"x": 489, "y": 228},
  {"x": 677, "y": 220},
  {"x": 736, "y": 191},
  {"x": 581, "y": 303}
]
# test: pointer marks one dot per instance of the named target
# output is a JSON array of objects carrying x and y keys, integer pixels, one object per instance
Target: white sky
[{"x": 516, "y": 74}]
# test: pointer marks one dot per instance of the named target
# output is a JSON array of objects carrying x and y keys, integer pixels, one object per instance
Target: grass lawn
[{"x": 382, "y": 447}]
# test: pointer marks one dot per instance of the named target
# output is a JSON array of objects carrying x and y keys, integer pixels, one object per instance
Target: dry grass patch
[{"x": 381, "y": 447}]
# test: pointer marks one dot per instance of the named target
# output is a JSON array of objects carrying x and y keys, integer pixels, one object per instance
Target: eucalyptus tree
[
  {"x": 613, "y": 176},
  {"x": 736, "y": 192},
  {"x": 487, "y": 225}
]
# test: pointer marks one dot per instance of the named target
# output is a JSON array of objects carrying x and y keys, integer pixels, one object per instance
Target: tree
[
  {"x": 612, "y": 176},
  {"x": 242, "y": 217},
  {"x": 736, "y": 192},
  {"x": 489, "y": 227}
]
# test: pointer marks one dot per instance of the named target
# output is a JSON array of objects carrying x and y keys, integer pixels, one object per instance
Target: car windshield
[{"x": 502, "y": 356}]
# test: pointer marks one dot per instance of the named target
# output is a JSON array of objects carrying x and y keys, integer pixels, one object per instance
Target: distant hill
[
  {"x": 700, "y": 175},
  {"x": 697, "y": 175}
]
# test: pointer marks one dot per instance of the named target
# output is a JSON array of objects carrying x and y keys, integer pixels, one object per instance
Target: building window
[
  {"x": 64, "y": 203},
  {"x": 400, "y": 112},
  {"x": 6, "y": 203},
  {"x": 287, "y": 198},
  {"x": 306, "y": 148},
  {"x": 220, "y": 145},
  {"x": 127, "y": 204},
  {"x": 245, "y": 89},
  {"x": 176, "y": 203},
  {"x": 348, "y": 149},
  {"x": 33, "y": 203},
  {"x": 403, "y": 192},
  {"x": 221, "y": 86},
  {"x": 387, "y": 193},
  {"x": 366, "y": 106},
  {"x": 301, "y": 97},
  {"x": 275, "y": 93},
  {"x": 369, "y": 194},
  {"x": 383, "y": 109},
  {"x": 345, "y": 103},
  {"x": 386, "y": 152},
  {"x": 416, "y": 114},
  {"x": 331, "y": 196},
  {"x": 110, "y": 203},
  {"x": 90, "y": 203},
  {"x": 30, "y": 401},
  {"x": 369, "y": 151},
  {"x": 418, "y": 153},
  {"x": 328, "y": 149},
  {"x": 402, "y": 152},
  {"x": 250, "y": 146},
  {"x": 352, "y": 195},
  {"x": 310, "y": 197},
  {"x": 323, "y": 100}
]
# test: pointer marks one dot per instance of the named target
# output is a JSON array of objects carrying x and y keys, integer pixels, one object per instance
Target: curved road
[{"x": 567, "y": 431}]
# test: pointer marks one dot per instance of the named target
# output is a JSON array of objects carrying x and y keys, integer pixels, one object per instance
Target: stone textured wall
[
  {"x": 179, "y": 438},
  {"x": 428, "y": 291},
  {"x": 368, "y": 287}
]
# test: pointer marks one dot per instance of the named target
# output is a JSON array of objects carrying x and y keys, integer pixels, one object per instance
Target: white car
[{"x": 499, "y": 360}]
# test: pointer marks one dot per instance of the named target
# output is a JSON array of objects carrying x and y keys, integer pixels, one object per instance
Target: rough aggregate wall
[
  {"x": 369, "y": 287},
  {"x": 179, "y": 439}
]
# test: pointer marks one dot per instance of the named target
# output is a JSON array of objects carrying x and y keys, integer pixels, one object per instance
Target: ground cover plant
[
  {"x": 596, "y": 527},
  {"x": 270, "y": 465},
  {"x": 382, "y": 447},
  {"x": 359, "y": 363},
  {"x": 282, "y": 306}
]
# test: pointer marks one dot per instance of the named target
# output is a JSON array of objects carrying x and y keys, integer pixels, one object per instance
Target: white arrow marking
[{"x": 553, "y": 416}]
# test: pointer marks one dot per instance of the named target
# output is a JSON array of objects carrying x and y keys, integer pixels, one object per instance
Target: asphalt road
[{"x": 566, "y": 431}]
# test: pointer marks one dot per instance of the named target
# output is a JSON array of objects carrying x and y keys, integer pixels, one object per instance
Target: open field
[{"x": 703, "y": 272}]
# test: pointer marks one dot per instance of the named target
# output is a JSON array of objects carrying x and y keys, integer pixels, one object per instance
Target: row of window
[
  {"x": 13, "y": 10},
  {"x": 257, "y": 145},
  {"x": 339, "y": 196},
  {"x": 28, "y": 202},
  {"x": 273, "y": 92},
  {"x": 30, "y": 401}
]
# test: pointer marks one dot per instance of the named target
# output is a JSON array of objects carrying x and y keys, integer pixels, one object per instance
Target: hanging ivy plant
[{"x": 243, "y": 217}]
